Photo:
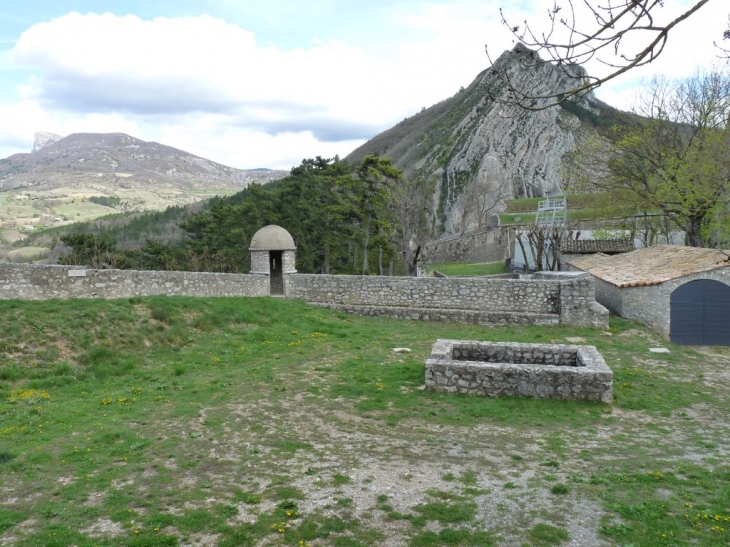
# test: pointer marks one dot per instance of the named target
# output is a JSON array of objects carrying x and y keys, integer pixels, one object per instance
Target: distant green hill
[{"x": 88, "y": 175}]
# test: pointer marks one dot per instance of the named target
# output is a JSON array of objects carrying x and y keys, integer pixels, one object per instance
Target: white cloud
[
  {"x": 19, "y": 121},
  {"x": 452, "y": 54},
  {"x": 194, "y": 64},
  {"x": 251, "y": 149},
  {"x": 325, "y": 99},
  {"x": 107, "y": 73},
  {"x": 204, "y": 85}
]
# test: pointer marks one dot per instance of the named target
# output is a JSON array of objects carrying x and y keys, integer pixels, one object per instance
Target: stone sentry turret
[{"x": 273, "y": 253}]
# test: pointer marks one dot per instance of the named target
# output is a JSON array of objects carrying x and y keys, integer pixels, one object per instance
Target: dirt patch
[{"x": 104, "y": 528}]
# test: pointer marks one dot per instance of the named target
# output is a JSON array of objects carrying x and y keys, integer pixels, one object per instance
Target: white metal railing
[{"x": 552, "y": 211}]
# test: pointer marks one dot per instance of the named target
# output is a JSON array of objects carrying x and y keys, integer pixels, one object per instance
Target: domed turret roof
[{"x": 272, "y": 238}]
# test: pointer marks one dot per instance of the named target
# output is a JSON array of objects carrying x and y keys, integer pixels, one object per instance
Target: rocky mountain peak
[
  {"x": 480, "y": 147},
  {"x": 140, "y": 174},
  {"x": 43, "y": 139}
]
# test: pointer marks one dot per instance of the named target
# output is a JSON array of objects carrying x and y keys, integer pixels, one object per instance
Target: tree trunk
[
  {"x": 413, "y": 264},
  {"x": 325, "y": 262},
  {"x": 693, "y": 231},
  {"x": 537, "y": 246},
  {"x": 518, "y": 239},
  {"x": 380, "y": 260},
  {"x": 365, "y": 247}
]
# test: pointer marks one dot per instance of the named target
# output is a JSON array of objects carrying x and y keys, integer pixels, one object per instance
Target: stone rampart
[
  {"x": 547, "y": 299},
  {"x": 43, "y": 282},
  {"x": 485, "y": 245}
]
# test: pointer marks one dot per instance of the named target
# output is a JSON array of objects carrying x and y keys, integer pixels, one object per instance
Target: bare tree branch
[
  {"x": 725, "y": 36},
  {"x": 569, "y": 43}
]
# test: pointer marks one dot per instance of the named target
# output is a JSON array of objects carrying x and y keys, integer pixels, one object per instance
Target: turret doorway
[{"x": 276, "y": 274}]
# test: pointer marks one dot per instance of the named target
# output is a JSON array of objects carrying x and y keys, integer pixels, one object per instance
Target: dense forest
[{"x": 362, "y": 221}]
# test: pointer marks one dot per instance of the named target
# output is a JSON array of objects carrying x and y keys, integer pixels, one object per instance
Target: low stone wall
[
  {"x": 43, "y": 282},
  {"x": 578, "y": 305},
  {"x": 465, "y": 293},
  {"x": 539, "y": 299},
  {"x": 503, "y": 369},
  {"x": 517, "y": 354}
]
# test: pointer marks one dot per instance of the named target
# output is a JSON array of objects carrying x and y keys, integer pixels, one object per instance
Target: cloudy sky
[{"x": 265, "y": 83}]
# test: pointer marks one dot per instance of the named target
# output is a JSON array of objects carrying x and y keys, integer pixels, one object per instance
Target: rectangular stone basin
[{"x": 510, "y": 369}]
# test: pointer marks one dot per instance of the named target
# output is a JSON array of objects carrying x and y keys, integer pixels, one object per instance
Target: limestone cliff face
[
  {"x": 43, "y": 138},
  {"x": 481, "y": 150}
]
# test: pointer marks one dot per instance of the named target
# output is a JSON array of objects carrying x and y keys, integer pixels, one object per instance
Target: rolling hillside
[{"x": 87, "y": 175}]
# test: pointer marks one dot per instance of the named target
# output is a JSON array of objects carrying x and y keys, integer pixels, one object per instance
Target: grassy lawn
[
  {"x": 80, "y": 210},
  {"x": 594, "y": 200},
  {"x": 28, "y": 254},
  {"x": 9, "y": 235},
  {"x": 462, "y": 268},
  {"x": 233, "y": 422},
  {"x": 18, "y": 209},
  {"x": 573, "y": 214},
  {"x": 580, "y": 207}
]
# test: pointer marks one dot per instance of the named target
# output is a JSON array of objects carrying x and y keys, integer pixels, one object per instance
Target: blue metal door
[{"x": 700, "y": 314}]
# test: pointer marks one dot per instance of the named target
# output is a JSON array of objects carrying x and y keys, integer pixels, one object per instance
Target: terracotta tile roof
[
  {"x": 609, "y": 246},
  {"x": 652, "y": 265}
]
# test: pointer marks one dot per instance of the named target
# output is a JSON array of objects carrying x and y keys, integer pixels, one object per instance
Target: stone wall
[
  {"x": 578, "y": 305},
  {"x": 545, "y": 299},
  {"x": 504, "y": 369},
  {"x": 512, "y": 352},
  {"x": 609, "y": 296},
  {"x": 42, "y": 282},
  {"x": 487, "y": 245},
  {"x": 566, "y": 299}
]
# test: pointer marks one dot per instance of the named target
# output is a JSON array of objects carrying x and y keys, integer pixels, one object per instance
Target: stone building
[
  {"x": 681, "y": 292},
  {"x": 273, "y": 254}
]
